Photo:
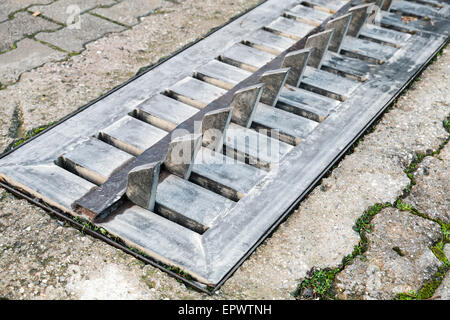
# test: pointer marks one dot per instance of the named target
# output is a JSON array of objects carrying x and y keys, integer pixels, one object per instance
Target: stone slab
[
  {"x": 29, "y": 54},
  {"x": 23, "y": 24},
  {"x": 74, "y": 40},
  {"x": 8, "y": 7},
  {"x": 65, "y": 11},
  {"x": 128, "y": 12},
  {"x": 398, "y": 258},
  {"x": 431, "y": 193}
]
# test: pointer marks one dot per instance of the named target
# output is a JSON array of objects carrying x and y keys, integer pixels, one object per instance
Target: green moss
[
  {"x": 31, "y": 134},
  {"x": 427, "y": 291},
  {"x": 446, "y": 124},
  {"x": 319, "y": 281},
  {"x": 318, "y": 284}
]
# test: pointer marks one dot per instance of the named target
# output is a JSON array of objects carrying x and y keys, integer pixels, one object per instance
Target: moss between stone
[{"x": 319, "y": 282}]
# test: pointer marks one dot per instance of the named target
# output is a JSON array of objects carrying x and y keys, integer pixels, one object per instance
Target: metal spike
[
  {"x": 181, "y": 155},
  {"x": 359, "y": 18},
  {"x": 296, "y": 61},
  {"x": 142, "y": 184},
  {"x": 387, "y": 5},
  {"x": 244, "y": 104},
  {"x": 214, "y": 126},
  {"x": 319, "y": 45},
  {"x": 274, "y": 81},
  {"x": 340, "y": 26}
]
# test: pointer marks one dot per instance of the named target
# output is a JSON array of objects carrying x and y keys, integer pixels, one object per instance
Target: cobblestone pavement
[{"x": 397, "y": 175}]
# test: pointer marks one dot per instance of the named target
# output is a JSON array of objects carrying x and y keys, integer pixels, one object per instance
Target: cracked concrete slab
[
  {"x": 28, "y": 54},
  {"x": 66, "y": 11},
  {"x": 74, "y": 39},
  {"x": 431, "y": 193},
  {"x": 23, "y": 24},
  {"x": 128, "y": 12},
  {"x": 398, "y": 258}
]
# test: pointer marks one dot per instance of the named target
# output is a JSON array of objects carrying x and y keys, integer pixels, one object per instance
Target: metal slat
[
  {"x": 307, "y": 15},
  {"x": 94, "y": 160},
  {"x": 247, "y": 145},
  {"x": 224, "y": 175},
  {"x": 367, "y": 50},
  {"x": 164, "y": 112},
  {"x": 268, "y": 41},
  {"x": 221, "y": 74},
  {"x": 345, "y": 66},
  {"x": 306, "y": 103},
  {"x": 189, "y": 205},
  {"x": 292, "y": 128},
  {"x": 328, "y": 84},
  {"x": 246, "y": 57},
  {"x": 195, "y": 92},
  {"x": 131, "y": 135},
  {"x": 396, "y": 22},
  {"x": 289, "y": 28},
  {"x": 384, "y": 36}
]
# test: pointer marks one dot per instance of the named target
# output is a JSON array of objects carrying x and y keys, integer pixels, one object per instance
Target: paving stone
[
  {"x": 128, "y": 12},
  {"x": 398, "y": 258},
  {"x": 431, "y": 194},
  {"x": 9, "y": 6},
  {"x": 22, "y": 25},
  {"x": 29, "y": 54},
  {"x": 65, "y": 11},
  {"x": 73, "y": 40},
  {"x": 443, "y": 291}
]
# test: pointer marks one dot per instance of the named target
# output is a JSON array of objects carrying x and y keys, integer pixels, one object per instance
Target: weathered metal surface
[{"x": 208, "y": 224}]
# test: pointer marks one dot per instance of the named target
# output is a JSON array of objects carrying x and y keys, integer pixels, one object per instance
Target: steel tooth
[
  {"x": 142, "y": 184},
  {"x": 387, "y": 5},
  {"x": 274, "y": 81},
  {"x": 244, "y": 104},
  {"x": 296, "y": 61},
  {"x": 340, "y": 26},
  {"x": 181, "y": 155},
  {"x": 359, "y": 18},
  {"x": 319, "y": 45},
  {"x": 214, "y": 126}
]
